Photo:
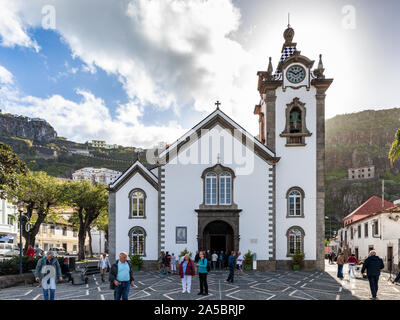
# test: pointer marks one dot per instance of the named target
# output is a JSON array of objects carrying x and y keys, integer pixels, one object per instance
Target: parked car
[
  {"x": 8, "y": 250},
  {"x": 59, "y": 251}
]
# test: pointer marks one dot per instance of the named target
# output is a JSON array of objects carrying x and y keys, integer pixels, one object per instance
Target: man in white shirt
[
  {"x": 214, "y": 259},
  {"x": 239, "y": 263},
  {"x": 103, "y": 265}
]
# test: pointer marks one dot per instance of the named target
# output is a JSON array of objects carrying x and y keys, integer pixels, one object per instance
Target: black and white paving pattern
[{"x": 254, "y": 285}]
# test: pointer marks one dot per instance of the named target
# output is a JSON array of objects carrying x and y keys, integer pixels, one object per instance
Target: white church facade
[{"x": 220, "y": 188}]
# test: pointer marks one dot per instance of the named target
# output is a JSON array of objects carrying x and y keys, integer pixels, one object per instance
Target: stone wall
[{"x": 16, "y": 279}]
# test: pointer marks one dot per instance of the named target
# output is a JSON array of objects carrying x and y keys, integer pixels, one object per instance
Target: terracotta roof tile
[{"x": 372, "y": 205}]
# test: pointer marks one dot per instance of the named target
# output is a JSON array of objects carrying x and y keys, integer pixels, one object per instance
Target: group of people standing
[
  {"x": 203, "y": 262},
  {"x": 372, "y": 266}
]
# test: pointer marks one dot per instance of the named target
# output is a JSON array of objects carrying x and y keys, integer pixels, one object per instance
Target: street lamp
[
  {"x": 330, "y": 226},
  {"x": 20, "y": 210}
]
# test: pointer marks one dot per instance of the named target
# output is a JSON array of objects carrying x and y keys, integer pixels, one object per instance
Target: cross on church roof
[{"x": 218, "y": 104}]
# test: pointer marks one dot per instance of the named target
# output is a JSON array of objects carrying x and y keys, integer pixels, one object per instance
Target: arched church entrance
[{"x": 218, "y": 236}]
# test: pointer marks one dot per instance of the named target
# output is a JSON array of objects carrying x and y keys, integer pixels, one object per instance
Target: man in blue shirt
[
  {"x": 231, "y": 266},
  {"x": 121, "y": 276}
]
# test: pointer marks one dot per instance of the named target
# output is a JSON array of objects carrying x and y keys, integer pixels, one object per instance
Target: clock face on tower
[{"x": 296, "y": 74}]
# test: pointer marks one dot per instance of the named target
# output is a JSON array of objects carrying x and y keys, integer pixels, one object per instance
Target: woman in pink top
[{"x": 352, "y": 261}]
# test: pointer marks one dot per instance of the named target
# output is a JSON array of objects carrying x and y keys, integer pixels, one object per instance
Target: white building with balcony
[
  {"x": 101, "y": 175},
  {"x": 8, "y": 221}
]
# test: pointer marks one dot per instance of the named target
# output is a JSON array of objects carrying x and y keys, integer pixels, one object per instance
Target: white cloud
[
  {"x": 6, "y": 76},
  {"x": 167, "y": 53},
  {"x": 89, "y": 118},
  {"x": 12, "y": 28}
]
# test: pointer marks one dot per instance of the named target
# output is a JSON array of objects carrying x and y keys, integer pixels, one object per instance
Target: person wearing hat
[{"x": 47, "y": 271}]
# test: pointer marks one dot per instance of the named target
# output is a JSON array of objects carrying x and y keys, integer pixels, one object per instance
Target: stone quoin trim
[
  {"x": 161, "y": 222},
  {"x": 112, "y": 225},
  {"x": 271, "y": 214},
  {"x": 321, "y": 86}
]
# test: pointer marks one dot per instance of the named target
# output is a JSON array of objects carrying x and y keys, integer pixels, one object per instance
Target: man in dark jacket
[
  {"x": 231, "y": 266},
  {"x": 121, "y": 276},
  {"x": 373, "y": 264}
]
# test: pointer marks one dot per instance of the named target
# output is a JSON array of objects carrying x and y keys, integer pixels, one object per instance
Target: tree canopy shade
[
  {"x": 90, "y": 201},
  {"x": 37, "y": 193},
  {"x": 10, "y": 167},
  {"x": 394, "y": 151}
]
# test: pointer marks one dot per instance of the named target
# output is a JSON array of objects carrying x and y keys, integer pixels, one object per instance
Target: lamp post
[
  {"x": 20, "y": 210},
  {"x": 330, "y": 226}
]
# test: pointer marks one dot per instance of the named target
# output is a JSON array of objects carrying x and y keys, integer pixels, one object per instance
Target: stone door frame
[{"x": 207, "y": 216}]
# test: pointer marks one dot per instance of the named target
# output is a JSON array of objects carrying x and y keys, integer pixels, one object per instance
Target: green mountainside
[
  {"x": 352, "y": 140},
  {"x": 356, "y": 140}
]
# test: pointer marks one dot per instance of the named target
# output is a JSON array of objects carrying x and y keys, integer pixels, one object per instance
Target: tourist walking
[
  {"x": 373, "y": 264},
  {"x": 333, "y": 257},
  {"x": 208, "y": 256},
  {"x": 186, "y": 272},
  {"x": 340, "y": 264},
  {"x": 173, "y": 263},
  {"x": 352, "y": 262},
  {"x": 38, "y": 251},
  {"x": 104, "y": 265},
  {"x": 121, "y": 277},
  {"x": 239, "y": 263},
  {"x": 203, "y": 271},
  {"x": 226, "y": 261},
  {"x": 231, "y": 266},
  {"x": 330, "y": 257},
  {"x": 221, "y": 260},
  {"x": 398, "y": 275},
  {"x": 30, "y": 252},
  {"x": 214, "y": 259},
  {"x": 66, "y": 273},
  {"x": 44, "y": 267},
  {"x": 196, "y": 261},
  {"x": 161, "y": 265},
  {"x": 167, "y": 262}
]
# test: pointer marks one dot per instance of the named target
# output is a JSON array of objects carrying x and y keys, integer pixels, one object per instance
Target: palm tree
[{"x": 394, "y": 152}]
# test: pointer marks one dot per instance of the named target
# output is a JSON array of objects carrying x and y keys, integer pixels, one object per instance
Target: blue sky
[{"x": 141, "y": 72}]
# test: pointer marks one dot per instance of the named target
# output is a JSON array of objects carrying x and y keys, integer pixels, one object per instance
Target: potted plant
[
  {"x": 136, "y": 261},
  {"x": 297, "y": 260},
  {"x": 248, "y": 260}
]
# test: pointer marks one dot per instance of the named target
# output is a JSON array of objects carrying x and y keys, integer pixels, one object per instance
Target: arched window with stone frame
[
  {"x": 295, "y": 240},
  {"x": 137, "y": 241},
  {"x": 295, "y": 128},
  {"x": 137, "y": 204},
  {"x": 218, "y": 190},
  {"x": 295, "y": 203}
]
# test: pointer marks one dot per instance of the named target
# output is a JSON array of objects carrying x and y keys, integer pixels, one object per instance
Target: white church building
[{"x": 220, "y": 188}]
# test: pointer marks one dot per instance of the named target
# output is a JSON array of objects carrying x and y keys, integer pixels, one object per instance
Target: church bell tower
[{"x": 291, "y": 116}]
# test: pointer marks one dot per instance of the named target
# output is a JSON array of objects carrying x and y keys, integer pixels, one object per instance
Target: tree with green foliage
[
  {"x": 90, "y": 201},
  {"x": 10, "y": 167},
  {"x": 37, "y": 193},
  {"x": 394, "y": 151}
]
